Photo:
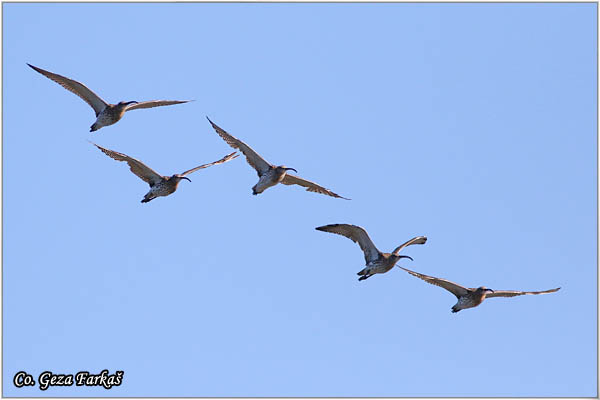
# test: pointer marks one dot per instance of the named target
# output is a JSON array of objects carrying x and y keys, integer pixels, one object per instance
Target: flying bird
[
  {"x": 471, "y": 297},
  {"x": 269, "y": 175},
  {"x": 159, "y": 185},
  {"x": 376, "y": 261},
  {"x": 106, "y": 114}
]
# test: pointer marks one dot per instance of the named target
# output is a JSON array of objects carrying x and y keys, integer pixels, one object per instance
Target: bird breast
[
  {"x": 108, "y": 116},
  {"x": 380, "y": 266},
  {"x": 278, "y": 175},
  {"x": 466, "y": 302},
  {"x": 163, "y": 188},
  {"x": 267, "y": 180}
]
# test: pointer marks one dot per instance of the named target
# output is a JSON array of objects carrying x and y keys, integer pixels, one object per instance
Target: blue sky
[{"x": 472, "y": 124}]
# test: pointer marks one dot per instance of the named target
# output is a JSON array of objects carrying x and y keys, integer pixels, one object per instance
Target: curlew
[
  {"x": 269, "y": 175},
  {"x": 106, "y": 114},
  {"x": 471, "y": 297},
  {"x": 376, "y": 261},
  {"x": 159, "y": 185}
]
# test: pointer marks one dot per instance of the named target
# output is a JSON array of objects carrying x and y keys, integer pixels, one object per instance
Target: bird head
[
  {"x": 178, "y": 177},
  {"x": 123, "y": 104},
  {"x": 483, "y": 289},
  {"x": 282, "y": 169},
  {"x": 398, "y": 256}
]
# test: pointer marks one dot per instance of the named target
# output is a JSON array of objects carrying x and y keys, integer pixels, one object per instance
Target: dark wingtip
[
  {"x": 322, "y": 228},
  {"x": 36, "y": 69}
]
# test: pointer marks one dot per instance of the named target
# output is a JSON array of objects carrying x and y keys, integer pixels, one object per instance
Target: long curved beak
[
  {"x": 410, "y": 258},
  {"x": 185, "y": 177},
  {"x": 491, "y": 290},
  {"x": 287, "y": 169}
]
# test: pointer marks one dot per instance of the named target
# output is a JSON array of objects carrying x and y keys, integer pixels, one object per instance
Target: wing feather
[
  {"x": 154, "y": 103},
  {"x": 452, "y": 287},
  {"x": 512, "y": 293},
  {"x": 310, "y": 186},
  {"x": 75, "y": 87},
  {"x": 221, "y": 161},
  {"x": 415, "y": 240},
  {"x": 136, "y": 166},
  {"x": 357, "y": 235},
  {"x": 252, "y": 157}
]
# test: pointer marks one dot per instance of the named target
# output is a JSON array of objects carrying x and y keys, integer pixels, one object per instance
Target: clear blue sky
[{"x": 472, "y": 124}]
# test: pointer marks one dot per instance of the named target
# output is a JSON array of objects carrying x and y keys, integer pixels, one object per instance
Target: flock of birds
[{"x": 269, "y": 175}]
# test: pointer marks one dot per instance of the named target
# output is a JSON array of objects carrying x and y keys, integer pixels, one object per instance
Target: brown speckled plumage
[
  {"x": 376, "y": 261},
  {"x": 470, "y": 297},
  {"x": 159, "y": 185},
  {"x": 269, "y": 175},
  {"x": 106, "y": 114}
]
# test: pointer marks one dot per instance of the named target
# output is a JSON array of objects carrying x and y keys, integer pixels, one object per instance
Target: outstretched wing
[
  {"x": 310, "y": 186},
  {"x": 357, "y": 235},
  {"x": 221, "y": 161},
  {"x": 415, "y": 240},
  {"x": 154, "y": 103},
  {"x": 452, "y": 287},
  {"x": 75, "y": 87},
  {"x": 253, "y": 158},
  {"x": 513, "y": 293},
  {"x": 136, "y": 166}
]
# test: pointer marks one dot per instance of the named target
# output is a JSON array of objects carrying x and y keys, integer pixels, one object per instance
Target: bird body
[
  {"x": 111, "y": 114},
  {"x": 381, "y": 265},
  {"x": 376, "y": 261},
  {"x": 269, "y": 175},
  {"x": 270, "y": 178},
  {"x": 159, "y": 185},
  {"x": 106, "y": 114},
  {"x": 165, "y": 187},
  {"x": 471, "y": 297}
]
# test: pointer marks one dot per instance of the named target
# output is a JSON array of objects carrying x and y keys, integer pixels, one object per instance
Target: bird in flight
[
  {"x": 471, "y": 297},
  {"x": 376, "y": 261},
  {"x": 106, "y": 114},
  {"x": 159, "y": 185},
  {"x": 269, "y": 175}
]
